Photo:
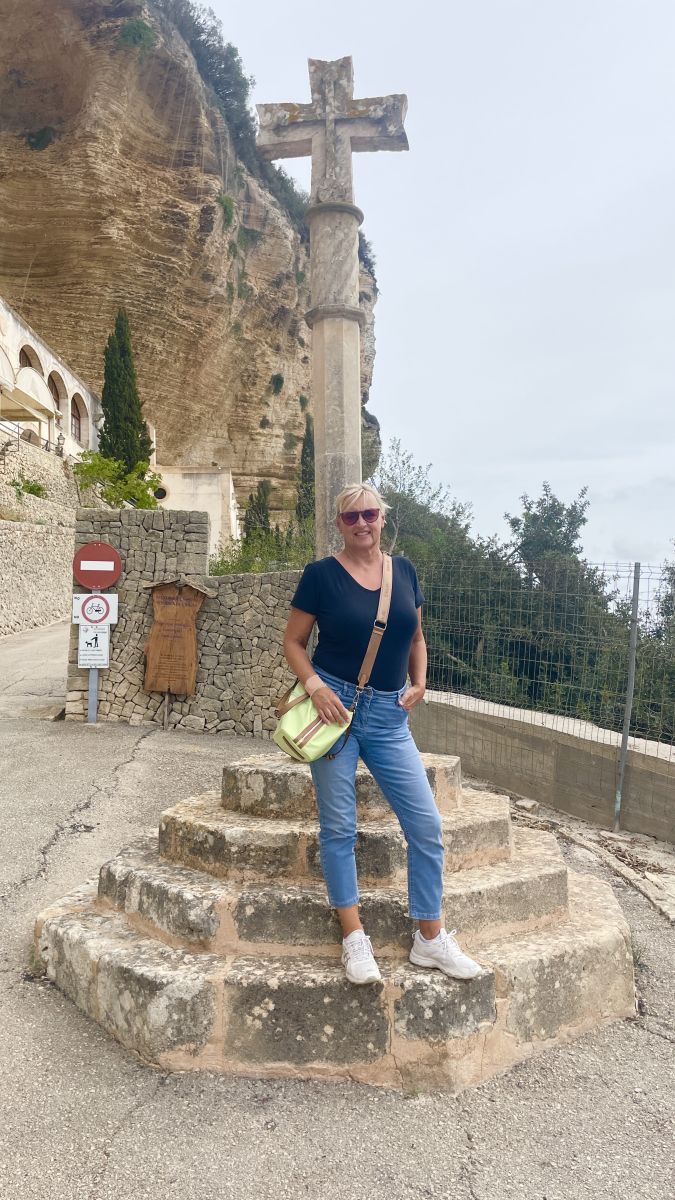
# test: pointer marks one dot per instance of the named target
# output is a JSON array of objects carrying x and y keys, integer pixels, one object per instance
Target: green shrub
[
  {"x": 138, "y": 33},
  {"x": 116, "y": 484},
  {"x": 299, "y": 277},
  {"x": 27, "y": 487},
  {"x": 41, "y": 138},
  {"x": 227, "y": 207},
  {"x": 247, "y": 238},
  {"x": 276, "y": 383},
  {"x": 229, "y": 290},
  {"x": 265, "y": 422},
  {"x": 304, "y": 402},
  {"x": 266, "y": 550},
  {"x": 232, "y": 249},
  {"x": 291, "y": 440}
]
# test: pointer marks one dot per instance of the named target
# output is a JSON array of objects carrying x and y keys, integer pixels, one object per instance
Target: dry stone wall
[
  {"x": 36, "y": 538},
  {"x": 35, "y": 575},
  {"x": 31, "y": 462},
  {"x": 240, "y": 668}
]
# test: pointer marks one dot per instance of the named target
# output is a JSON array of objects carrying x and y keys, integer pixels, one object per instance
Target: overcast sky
[{"x": 525, "y": 246}]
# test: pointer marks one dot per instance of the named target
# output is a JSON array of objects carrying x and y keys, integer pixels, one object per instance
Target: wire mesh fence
[
  {"x": 555, "y": 639},
  {"x": 557, "y": 680}
]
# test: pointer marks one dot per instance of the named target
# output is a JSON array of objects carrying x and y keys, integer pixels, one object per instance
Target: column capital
[
  {"x": 327, "y": 312},
  {"x": 335, "y": 206}
]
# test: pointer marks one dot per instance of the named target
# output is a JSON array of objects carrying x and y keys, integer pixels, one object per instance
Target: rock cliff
[{"x": 119, "y": 184}]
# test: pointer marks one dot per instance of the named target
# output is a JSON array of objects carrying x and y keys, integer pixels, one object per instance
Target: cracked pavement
[{"x": 82, "y": 1119}]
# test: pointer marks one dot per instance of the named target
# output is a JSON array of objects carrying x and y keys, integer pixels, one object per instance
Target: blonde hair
[{"x": 353, "y": 493}]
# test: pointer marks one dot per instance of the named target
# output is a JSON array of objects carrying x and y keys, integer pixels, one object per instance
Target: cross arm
[
  {"x": 286, "y": 130},
  {"x": 377, "y": 123}
]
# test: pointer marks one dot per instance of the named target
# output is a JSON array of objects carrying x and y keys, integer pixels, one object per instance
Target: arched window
[
  {"x": 28, "y": 358},
  {"x": 75, "y": 420},
  {"x": 54, "y": 389}
]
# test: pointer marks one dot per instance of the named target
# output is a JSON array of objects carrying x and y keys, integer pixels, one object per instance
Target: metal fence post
[{"x": 632, "y": 653}]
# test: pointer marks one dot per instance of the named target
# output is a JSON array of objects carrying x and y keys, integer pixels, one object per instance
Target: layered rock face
[{"x": 112, "y": 162}]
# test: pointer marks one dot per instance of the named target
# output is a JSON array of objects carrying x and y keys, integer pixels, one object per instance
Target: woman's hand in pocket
[
  {"x": 412, "y": 696},
  {"x": 329, "y": 706}
]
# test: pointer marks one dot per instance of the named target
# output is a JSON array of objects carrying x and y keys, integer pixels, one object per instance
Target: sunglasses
[{"x": 369, "y": 515}]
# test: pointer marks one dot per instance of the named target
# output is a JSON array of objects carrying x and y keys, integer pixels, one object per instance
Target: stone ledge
[
  {"x": 191, "y": 908},
  {"x": 199, "y": 833},
  {"x": 268, "y": 786}
]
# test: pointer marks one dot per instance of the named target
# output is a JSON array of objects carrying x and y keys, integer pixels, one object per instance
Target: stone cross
[{"x": 330, "y": 129}]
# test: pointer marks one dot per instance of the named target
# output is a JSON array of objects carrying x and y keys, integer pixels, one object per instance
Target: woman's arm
[
  {"x": 417, "y": 668},
  {"x": 298, "y": 629}
]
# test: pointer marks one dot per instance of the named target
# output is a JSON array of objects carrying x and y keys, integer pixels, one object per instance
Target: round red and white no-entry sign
[{"x": 97, "y": 565}]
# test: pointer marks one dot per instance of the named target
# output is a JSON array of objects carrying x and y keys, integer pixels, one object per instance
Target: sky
[{"x": 525, "y": 245}]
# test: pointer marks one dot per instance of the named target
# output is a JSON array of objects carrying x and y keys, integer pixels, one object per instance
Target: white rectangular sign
[
  {"x": 94, "y": 647},
  {"x": 95, "y": 608}
]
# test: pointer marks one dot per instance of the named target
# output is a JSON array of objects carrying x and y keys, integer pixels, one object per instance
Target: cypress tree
[
  {"x": 257, "y": 515},
  {"x": 304, "y": 508},
  {"x": 124, "y": 435}
]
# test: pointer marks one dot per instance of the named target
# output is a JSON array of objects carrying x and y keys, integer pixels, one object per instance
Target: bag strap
[
  {"x": 283, "y": 706},
  {"x": 380, "y": 623}
]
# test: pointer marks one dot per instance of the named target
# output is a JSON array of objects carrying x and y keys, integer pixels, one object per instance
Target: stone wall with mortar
[
  {"x": 35, "y": 574},
  {"x": 240, "y": 671}
]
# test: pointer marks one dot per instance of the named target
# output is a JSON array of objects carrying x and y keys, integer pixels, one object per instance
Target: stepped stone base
[{"x": 231, "y": 962}]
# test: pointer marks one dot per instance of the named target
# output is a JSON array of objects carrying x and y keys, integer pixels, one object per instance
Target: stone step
[
  {"x": 265, "y": 1016},
  {"x": 192, "y": 908},
  {"x": 199, "y": 833},
  {"x": 267, "y": 785}
]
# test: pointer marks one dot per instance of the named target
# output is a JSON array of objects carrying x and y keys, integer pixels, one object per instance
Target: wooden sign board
[{"x": 171, "y": 651}]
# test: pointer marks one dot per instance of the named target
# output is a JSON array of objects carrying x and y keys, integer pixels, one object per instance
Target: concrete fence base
[{"x": 574, "y": 772}]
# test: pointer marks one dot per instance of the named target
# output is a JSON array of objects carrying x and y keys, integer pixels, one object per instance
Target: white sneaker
[
  {"x": 444, "y": 953},
  {"x": 358, "y": 960}
]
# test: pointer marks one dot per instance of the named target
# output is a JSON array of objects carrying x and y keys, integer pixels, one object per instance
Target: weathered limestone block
[
  {"x": 432, "y": 1007},
  {"x": 580, "y": 972},
  {"x": 301, "y": 1013},
  {"x": 268, "y": 786}
]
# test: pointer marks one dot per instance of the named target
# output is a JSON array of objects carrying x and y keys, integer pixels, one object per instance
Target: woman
[{"x": 341, "y": 593}]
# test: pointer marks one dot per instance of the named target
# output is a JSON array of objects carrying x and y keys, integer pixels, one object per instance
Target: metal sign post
[{"x": 92, "y": 698}]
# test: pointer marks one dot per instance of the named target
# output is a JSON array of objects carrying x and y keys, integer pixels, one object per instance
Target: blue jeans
[{"x": 380, "y": 735}]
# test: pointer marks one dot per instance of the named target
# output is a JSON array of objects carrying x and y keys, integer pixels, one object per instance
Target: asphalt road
[
  {"x": 33, "y": 672},
  {"x": 82, "y": 1119}
]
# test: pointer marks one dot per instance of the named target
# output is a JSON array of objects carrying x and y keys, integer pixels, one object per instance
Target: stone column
[{"x": 336, "y": 321}]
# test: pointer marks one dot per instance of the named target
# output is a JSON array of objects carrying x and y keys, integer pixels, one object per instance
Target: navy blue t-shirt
[{"x": 345, "y": 612}]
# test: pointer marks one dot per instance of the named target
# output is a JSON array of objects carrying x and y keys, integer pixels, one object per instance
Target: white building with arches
[{"x": 41, "y": 400}]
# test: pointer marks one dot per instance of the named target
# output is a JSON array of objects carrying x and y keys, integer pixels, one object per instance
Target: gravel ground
[{"x": 82, "y": 1119}]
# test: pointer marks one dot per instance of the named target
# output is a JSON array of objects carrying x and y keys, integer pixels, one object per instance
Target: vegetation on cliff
[{"x": 221, "y": 68}]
